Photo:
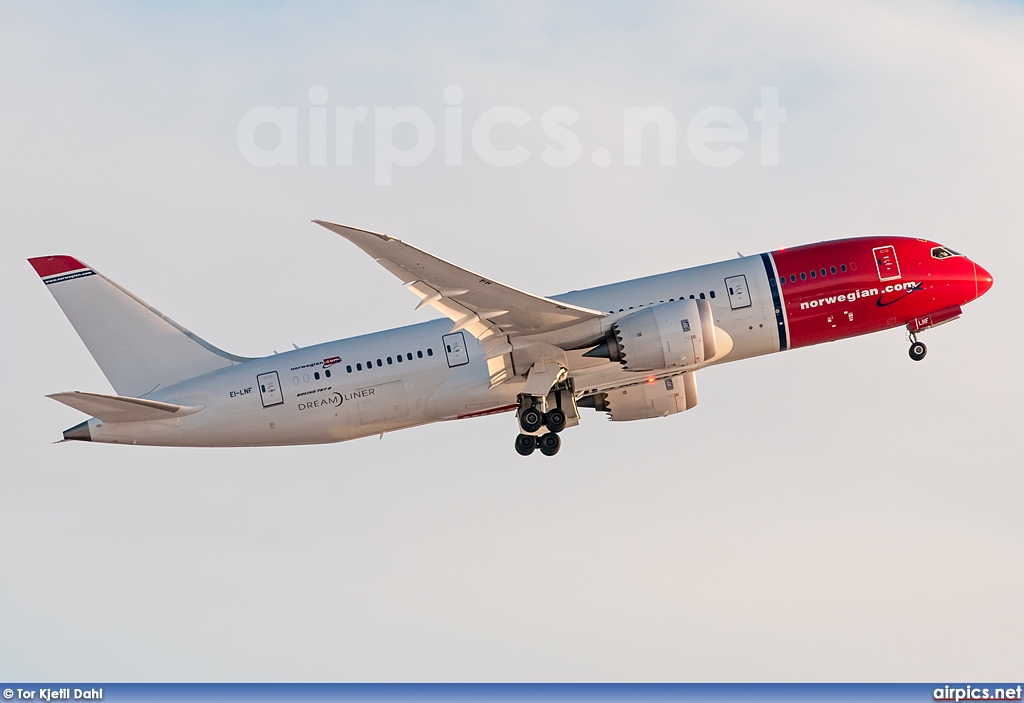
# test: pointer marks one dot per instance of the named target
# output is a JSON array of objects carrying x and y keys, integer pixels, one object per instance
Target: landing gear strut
[{"x": 917, "y": 349}]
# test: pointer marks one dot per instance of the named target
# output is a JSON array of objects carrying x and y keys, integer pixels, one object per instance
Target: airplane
[{"x": 630, "y": 349}]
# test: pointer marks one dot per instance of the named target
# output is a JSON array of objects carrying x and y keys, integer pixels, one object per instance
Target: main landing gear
[
  {"x": 917, "y": 349},
  {"x": 532, "y": 418},
  {"x": 548, "y": 443}
]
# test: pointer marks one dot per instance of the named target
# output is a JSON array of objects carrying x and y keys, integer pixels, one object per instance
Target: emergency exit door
[
  {"x": 739, "y": 296},
  {"x": 455, "y": 349},
  {"x": 270, "y": 389}
]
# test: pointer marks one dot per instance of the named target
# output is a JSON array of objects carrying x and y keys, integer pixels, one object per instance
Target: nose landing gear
[{"x": 917, "y": 349}]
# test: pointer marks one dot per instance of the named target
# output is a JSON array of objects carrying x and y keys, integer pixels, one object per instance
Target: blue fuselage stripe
[{"x": 773, "y": 283}]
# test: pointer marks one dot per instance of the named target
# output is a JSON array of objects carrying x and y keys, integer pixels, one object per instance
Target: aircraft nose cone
[{"x": 983, "y": 280}]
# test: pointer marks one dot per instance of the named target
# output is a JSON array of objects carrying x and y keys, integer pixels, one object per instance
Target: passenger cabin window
[
  {"x": 359, "y": 367},
  {"x": 842, "y": 268},
  {"x": 712, "y": 294},
  {"x": 349, "y": 368},
  {"x": 430, "y": 351},
  {"x": 832, "y": 270},
  {"x": 419, "y": 355}
]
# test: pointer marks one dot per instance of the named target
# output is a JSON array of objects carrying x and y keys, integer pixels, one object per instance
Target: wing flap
[
  {"x": 482, "y": 307},
  {"x": 117, "y": 408}
]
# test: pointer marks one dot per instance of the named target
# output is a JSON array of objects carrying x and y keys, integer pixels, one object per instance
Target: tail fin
[{"x": 137, "y": 348}]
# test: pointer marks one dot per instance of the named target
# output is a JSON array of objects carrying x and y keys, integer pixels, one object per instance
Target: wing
[{"x": 484, "y": 308}]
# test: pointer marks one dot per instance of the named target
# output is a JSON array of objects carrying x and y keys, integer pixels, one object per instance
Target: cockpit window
[{"x": 944, "y": 253}]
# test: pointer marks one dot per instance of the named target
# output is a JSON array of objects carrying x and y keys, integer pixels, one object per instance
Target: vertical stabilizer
[{"x": 138, "y": 349}]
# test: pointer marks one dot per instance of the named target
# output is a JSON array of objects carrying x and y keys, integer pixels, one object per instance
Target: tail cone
[{"x": 79, "y": 432}]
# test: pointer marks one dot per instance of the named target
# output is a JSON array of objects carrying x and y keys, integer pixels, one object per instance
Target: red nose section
[{"x": 983, "y": 279}]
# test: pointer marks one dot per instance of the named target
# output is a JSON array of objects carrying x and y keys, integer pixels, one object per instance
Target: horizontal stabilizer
[{"x": 117, "y": 408}]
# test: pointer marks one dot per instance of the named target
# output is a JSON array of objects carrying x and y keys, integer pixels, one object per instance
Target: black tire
[
  {"x": 549, "y": 444},
  {"x": 525, "y": 444},
  {"x": 918, "y": 351},
  {"x": 531, "y": 420},
  {"x": 555, "y": 420}
]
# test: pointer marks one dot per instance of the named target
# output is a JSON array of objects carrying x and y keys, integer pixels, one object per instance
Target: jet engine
[
  {"x": 671, "y": 335},
  {"x": 666, "y": 396}
]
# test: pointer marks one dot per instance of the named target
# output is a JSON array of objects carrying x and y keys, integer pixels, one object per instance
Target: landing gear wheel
[
  {"x": 531, "y": 420},
  {"x": 555, "y": 420},
  {"x": 917, "y": 351},
  {"x": 549, "y": 444},
  {"x": 525, "y": 444}
]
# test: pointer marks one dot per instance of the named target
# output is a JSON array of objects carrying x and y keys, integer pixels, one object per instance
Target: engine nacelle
[
  {"x": 671, "y": 335},
  {"x": 667, "y": 396}
]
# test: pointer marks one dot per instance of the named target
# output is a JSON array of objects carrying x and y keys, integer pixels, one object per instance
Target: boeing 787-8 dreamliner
[{"x": 629, "y": 349}]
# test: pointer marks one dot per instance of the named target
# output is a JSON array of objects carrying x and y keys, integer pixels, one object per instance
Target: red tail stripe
[{"x": 47, "y": 266}]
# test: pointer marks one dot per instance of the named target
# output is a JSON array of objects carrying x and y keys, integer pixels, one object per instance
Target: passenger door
[
  {"x": 270, "y": 389},
  {"x": 739, "y": 296},
  {"x": 455, "y": 349},
  {"x": 887, "y": 263}
]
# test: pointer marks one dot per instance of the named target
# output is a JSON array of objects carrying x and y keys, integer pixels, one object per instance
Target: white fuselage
[{"x": 357, "y": 387}]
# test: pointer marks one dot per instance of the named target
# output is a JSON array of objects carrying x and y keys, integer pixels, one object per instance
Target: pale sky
[{"x": 831, "y": 513}]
